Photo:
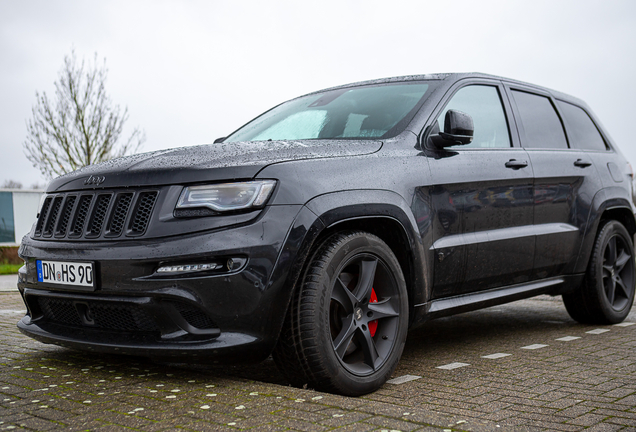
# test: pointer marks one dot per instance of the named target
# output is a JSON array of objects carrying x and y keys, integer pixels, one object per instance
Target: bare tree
[
  {"x": 81, "y": 127},
  {"x": 11, "y": 184},
  {"x": 38, "y": 186}
]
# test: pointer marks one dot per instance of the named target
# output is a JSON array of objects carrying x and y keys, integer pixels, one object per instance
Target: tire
[
  {"x": 607, "y": 293},
  {"x": 347, "y": 322}
]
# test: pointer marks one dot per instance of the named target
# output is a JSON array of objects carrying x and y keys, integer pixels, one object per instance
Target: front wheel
[
  {"x": 347, "y": 323},
  {"x": 607, "y": 293}
]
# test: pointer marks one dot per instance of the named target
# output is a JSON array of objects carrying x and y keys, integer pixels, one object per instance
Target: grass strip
[{"x": 6, "y": 269}]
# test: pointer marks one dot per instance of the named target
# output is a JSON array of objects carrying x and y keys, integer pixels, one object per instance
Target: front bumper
[{"x": 223, "y": 315}]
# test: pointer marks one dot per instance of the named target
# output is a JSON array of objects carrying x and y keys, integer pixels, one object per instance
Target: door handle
[
  {"x": 515, "y": 164},
  {"x": 582, "y": 163}
]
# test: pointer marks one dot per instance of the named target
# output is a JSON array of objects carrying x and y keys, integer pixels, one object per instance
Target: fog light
[
  {"x": 235, "y": 263},
  {"x": 189, "y": 268}
]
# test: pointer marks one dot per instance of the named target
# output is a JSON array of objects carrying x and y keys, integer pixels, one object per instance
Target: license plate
[{"x": 66, "y": 273}]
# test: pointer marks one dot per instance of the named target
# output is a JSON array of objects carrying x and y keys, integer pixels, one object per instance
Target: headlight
[{"x": 227, "y": 196}]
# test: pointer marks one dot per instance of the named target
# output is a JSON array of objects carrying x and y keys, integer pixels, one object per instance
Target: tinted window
[
  {"x": 581, "y": 130},
  {"x": 350, "y": 113},
  {"x": 483, "y": 104},
  {"x": 6, "y": 218},
  {"x": 541, "y": 123}
]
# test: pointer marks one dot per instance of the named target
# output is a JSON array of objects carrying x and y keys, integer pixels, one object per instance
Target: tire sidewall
[
  {"x": 610, "y": 230},
  {"x": 345, "y": 381}
]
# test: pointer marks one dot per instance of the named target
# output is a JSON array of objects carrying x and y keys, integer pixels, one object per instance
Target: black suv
[{"x": 323, "y": 229}]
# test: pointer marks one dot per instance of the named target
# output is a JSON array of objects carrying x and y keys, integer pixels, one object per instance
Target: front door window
[{"x": 483, "y": 104}]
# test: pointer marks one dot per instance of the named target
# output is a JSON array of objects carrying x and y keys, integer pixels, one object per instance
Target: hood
[{"x": 205, "y": 163}]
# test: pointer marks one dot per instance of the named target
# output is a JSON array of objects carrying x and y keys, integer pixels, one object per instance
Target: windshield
[{"x": 379, "y": 111}]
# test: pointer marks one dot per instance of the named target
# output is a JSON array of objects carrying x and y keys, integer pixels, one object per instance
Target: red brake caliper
[{"x": 373, "y": 325}]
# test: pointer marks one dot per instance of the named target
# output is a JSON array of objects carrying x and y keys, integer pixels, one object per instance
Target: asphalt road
[{"x": 522, "y": 366}]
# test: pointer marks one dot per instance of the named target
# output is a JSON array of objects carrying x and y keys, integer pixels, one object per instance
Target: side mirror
[
  {"x": 219, "y": 140},
  {"x": 458, "y": 130}
]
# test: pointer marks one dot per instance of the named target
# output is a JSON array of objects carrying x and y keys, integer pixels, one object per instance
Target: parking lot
[{"x": 522, "y": 366}]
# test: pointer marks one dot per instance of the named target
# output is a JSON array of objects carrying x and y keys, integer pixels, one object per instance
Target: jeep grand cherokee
[{"x": 323, "y": 229}]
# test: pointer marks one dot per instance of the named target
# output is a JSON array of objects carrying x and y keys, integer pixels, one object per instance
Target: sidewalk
[{"x": 8, "y": 283}]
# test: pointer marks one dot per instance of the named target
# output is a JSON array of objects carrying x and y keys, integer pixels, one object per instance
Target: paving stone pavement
[
  {"x": 558, "y": 376},
  {"x": 9, "y": 283}
]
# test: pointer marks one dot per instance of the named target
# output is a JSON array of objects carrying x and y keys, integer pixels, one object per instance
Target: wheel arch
[
  {"x": 391, "y": 232},
  {"x": 386, "y": 215},
  {"x": 608, "y": 204},
  {"x": 621, "y": 214},
  {"x": 382, "y": 213}
]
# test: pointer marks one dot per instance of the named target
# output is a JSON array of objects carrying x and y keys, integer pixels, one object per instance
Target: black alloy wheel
[
  {"x": 607, "y": 294},
  {"x": 618, "y": 273},
  {"x": 358, "y": 312},
  {"x": 346, "y": 325}
]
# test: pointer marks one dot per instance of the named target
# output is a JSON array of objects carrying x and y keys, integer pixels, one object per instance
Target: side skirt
[{"x": 482, "y": 299}]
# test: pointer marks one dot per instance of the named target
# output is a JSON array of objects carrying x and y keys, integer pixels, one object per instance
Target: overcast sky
[{"x": 191, "y": 71}]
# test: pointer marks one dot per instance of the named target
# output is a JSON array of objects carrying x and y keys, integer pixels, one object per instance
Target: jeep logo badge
[{"x": 94, "y": 180}]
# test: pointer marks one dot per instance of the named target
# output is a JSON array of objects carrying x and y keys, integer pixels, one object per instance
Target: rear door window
[
  {"x": 582, "y": 131},
  {"x": 540, "y": 122}
]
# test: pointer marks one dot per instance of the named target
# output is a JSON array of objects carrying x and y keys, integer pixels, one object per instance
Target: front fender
[
  {"x": 323, "y": 214},
  {"x": 359, "y": 205}
]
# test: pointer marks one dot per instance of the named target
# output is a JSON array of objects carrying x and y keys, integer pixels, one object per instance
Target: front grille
[
  {"x": 143, "y": 211},
  {"x": 96, "y": 314},
  {"x": 122, "y": 317},
  {"x": 59, "y": 311},
  {"x": 42, "y": 216},
  {"x": 98, "y": 215},
  {"x": 118, "y": 218},
  {"x": 62, "y": 225},
  {"x": 52, "y": 217},
  {"x": 81, "y": 214},
  {"x": 95, "y": 215}
]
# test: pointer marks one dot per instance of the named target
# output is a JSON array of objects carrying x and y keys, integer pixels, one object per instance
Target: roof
[{"x": 454, "y": 77}]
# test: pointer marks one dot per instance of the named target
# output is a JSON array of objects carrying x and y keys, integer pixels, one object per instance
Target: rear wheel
[
  {"x": 607, "y": 293},
  {"x": 347, "y": 322}
]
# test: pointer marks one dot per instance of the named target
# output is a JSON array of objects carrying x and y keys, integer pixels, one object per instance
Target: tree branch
[{"x": 82, "y": 127}]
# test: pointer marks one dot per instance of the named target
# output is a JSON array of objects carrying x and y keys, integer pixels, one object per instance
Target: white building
[{"x": 18, "y": 212}]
